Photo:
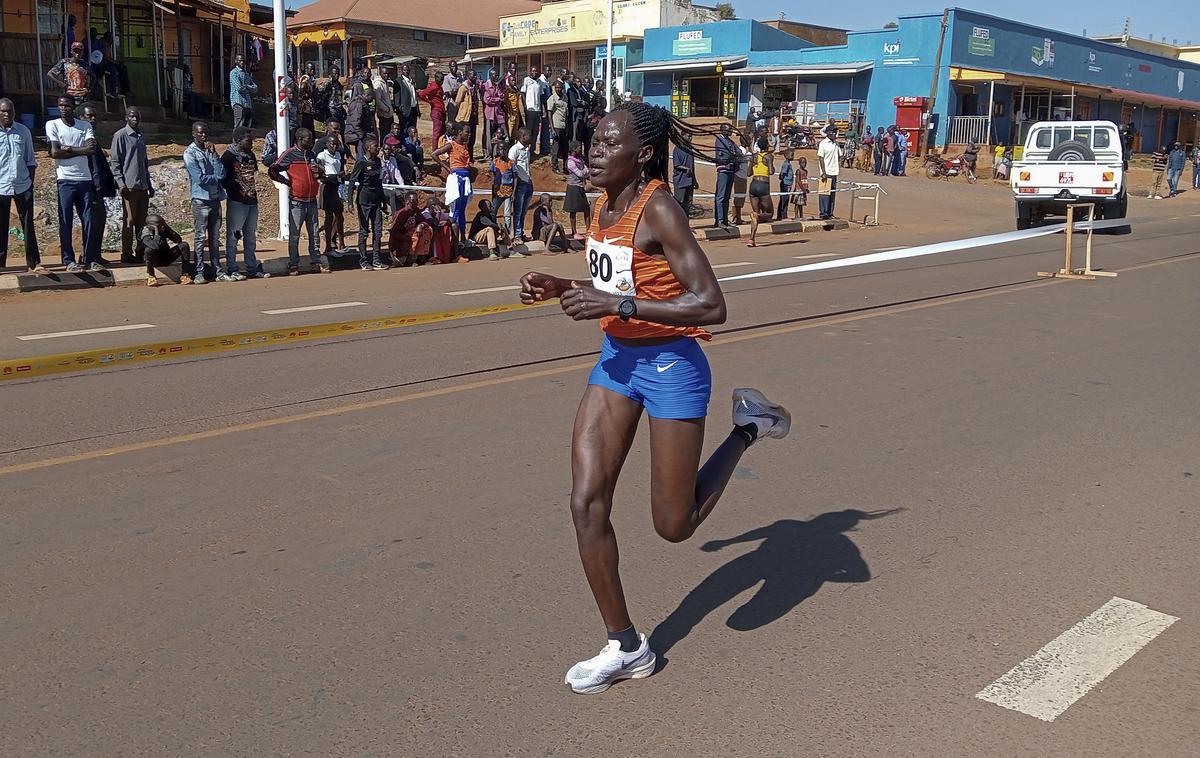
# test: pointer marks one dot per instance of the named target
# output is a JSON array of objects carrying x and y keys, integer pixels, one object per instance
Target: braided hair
[{"x": 658, "y": 127}]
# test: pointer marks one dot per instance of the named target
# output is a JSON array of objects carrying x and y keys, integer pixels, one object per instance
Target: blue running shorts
[{"x": 671, "y": 380}]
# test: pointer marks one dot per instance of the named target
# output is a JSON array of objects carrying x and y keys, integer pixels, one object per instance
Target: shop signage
[
  {"x": 891, "y": 48},
  {"x": 891, "y": 53},
  {"x": 1092, "y": 62},
  {"x": 691, "y": 43},
  {"x": 1044, "y": 55},
  {"x": 981, "y": 43}
]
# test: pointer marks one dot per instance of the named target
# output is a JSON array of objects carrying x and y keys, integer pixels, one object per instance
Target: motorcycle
[
  {"x": 800, "y": 137},
  {"x": 937, "y": 167}
]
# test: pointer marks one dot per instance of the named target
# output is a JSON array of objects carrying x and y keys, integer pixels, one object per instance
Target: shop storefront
[
  {"x": 990, "y": 80},
  {"x": 573, "y": 35}
]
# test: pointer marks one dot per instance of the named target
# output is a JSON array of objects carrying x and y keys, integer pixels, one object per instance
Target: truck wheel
[
  {"x": 1024, "y": 217},
  {"x": 1071, "y": 150},
  {"x": 1119, "y": 208}
]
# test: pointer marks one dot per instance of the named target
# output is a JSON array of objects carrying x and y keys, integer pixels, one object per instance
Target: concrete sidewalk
[{"x": 275, "y": 261}]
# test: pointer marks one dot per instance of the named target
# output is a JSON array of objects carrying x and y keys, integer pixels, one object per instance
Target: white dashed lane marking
[
  {"x": 731, "y": 265},
  {"x": 817, "y": 255},
  {"x": 505, "y": 288},
  {"x": 78, "y": 332},
  {"x": 303, "y": 308},
  {"x": 1049, "y": 681}
]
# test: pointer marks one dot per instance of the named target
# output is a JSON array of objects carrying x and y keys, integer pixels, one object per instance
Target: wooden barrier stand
[{"x": 1067, "y": 272}]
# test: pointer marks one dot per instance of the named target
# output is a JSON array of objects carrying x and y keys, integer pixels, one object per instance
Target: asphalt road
[{"x": 362, "y": 546}]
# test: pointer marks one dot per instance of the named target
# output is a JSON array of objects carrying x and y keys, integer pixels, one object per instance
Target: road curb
[{"x": 136, "y": 275}]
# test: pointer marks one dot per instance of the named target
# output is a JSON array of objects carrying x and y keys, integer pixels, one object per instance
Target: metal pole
[
  {"x": 154, "y": 41},
  {"x": 219, "y": 82},
  {"x": 991, "y": 106},
  {"x": 1072, "y": 102},
  {"x": 608, "y": 59},
  {"x": 281, "y": 111},
  {"x": 41, "y": 76}
]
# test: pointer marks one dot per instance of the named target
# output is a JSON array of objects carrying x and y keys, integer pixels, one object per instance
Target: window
[
  {"x": 460, "y": 39},
  {"x": 598, "y": 68},
  {"x": 420, "y": 35}
]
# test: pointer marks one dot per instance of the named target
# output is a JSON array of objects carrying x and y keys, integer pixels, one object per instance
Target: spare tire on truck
[{"x": 1071, "y": 150}]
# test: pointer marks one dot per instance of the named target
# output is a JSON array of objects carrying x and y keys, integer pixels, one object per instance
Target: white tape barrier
[
  {"x": 848, "y": 187},
  {"x": 934, "y": 249}
]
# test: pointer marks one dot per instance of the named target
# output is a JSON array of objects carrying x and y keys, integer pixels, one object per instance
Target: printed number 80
[{"x": 601, "y": 265}]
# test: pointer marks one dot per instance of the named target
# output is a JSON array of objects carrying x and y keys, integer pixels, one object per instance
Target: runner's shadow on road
[{"x": 792, "y": 561}]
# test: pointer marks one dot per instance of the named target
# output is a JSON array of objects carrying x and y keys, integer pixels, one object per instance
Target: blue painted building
[{"x": 993, "y": 78}]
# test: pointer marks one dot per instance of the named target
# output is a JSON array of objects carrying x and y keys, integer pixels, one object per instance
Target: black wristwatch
[{"x": 627, "y": 309}]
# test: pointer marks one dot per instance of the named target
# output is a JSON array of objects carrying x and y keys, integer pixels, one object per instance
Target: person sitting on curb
[
  {"x": 545, "y": 228},
  {"x": 163, "y": 247},
  {"x": 486, "y": 231}
]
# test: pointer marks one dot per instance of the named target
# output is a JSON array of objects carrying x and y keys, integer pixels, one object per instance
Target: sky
[{"x": 1173, "y": 19}]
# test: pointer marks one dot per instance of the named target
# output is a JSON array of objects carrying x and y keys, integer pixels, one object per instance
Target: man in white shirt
[
  {"x": 523, "y": 181},
  {"x": 71, "y": 142},
  {"x": 533, "y": 95},
  {"x": 829, "y": 163}
]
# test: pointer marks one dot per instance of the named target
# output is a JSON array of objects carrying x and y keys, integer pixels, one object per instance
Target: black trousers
[
  {"x": 24, "y": 203},
  {"x": 533, "y": 122}
]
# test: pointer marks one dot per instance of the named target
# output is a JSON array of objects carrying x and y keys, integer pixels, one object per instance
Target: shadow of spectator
[{"x": 792, "y": 561}]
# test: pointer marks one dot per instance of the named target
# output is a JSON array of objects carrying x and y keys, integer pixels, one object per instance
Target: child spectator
[
  {"x": 329, "y": 200},
  {"x": 787, "y": 178},
  {"x": 367, "y": 181},
  {"x": 415, "y": 150},
  {"x": 503, "y": 181},
  {"x": 576, "y": 201},
  {"x": 800, "y": 187}
]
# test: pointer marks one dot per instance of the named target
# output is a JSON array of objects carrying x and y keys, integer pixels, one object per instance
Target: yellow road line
[
  {"x": 84, "y": 360},
  {"x": 567, "y": 368}
]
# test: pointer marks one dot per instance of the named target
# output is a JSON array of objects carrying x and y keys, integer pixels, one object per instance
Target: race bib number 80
[{"x": 611, "y": 267}]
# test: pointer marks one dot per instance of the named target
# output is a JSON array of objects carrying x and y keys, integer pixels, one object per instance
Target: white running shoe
[
  {"x": 752, "y": 407},
  {"x": 611, "y": 666}
]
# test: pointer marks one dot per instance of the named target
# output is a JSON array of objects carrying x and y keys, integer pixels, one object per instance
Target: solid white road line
[
  {"x": 303, "y": 308},
  {"x": 505, "y": 288},
  {"x": 816, "y": 255},
  {"x": 1049, "y": 681},
  {"x": 731, "y": 265},
  {"x": 885, "y": 249},
  {"x": 77, "y": 332}
]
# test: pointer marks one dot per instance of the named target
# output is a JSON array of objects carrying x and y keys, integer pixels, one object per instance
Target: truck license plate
[{"x": 1066, "y": 177}]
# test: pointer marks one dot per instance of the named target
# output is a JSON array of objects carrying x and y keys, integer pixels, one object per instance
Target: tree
[
  {"x": 891, "y": 25},
  {"x": 725, "y": 11}
]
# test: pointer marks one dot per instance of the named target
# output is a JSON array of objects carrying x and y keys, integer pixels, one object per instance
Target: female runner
[{"x": 653, "y": 290}]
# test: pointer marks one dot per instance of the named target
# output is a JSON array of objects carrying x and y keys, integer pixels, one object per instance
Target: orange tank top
[
  {"x": 460, "y": 155},
  {"x": 619, "y": 267}
]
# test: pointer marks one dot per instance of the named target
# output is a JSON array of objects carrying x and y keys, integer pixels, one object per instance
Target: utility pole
[
  {"x": 937, "y": 68},
  {"x": 281, "y": 109},
  {"x": 608, "y": 60}
]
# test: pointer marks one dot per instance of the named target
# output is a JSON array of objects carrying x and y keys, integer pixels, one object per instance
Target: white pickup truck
[{"x": 1070, "y": 162}]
